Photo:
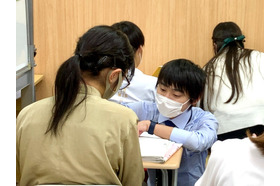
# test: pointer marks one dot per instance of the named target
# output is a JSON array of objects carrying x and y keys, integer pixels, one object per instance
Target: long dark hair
[
  {"x": 100, "y": 47},
  {"x": 228, "y": 39}
]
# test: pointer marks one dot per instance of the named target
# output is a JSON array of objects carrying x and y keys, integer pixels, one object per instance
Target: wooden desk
[
  {"x": 173, "y": 163},
  {"x": 37, "y": 78}
]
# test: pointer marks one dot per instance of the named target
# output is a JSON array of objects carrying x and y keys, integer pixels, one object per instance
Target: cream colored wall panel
[{"x": 172, "y": 29}]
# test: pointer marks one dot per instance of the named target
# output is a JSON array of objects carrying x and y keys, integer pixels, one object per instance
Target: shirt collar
[{"x": 180, "y": 121}]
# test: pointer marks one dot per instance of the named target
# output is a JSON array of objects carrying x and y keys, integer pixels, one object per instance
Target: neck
[{"x": 97, "y": 82}]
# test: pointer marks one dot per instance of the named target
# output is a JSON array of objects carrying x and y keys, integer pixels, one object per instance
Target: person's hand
[{"x": 143, "y": 126}]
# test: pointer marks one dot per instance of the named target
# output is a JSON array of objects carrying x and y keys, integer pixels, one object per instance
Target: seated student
[
  {"x": 180, "y": 85},
  {"x": 235, "y": 84},
  {"x": 78, "y": 136},
  {"x": 235, "y": 162},
  {"x": 142, "y": 86}
]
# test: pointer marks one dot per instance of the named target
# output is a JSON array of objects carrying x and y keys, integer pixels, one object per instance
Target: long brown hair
[
  {"x": 258, "y": 141},
  {"x": 228, "y": 39}
]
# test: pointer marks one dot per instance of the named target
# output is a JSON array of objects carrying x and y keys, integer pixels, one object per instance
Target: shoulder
[
  {"x": 257, "y": 53},
  {"x": 39, "y": 110},
  {"x": 257, "y": 56},
  {"x": 231, "y": 148},
  {"x": 120, "y": 112},
  {"x": 202, "y": 117},
  {"x": 228, "y": 150},
  {"x": 233, "y": 159},
  {"x": 37, "y": 106},
  {"x": 139, "y": 75},
  {"x": 225, "y": 152},
  {"x": 199, "y": 113}
]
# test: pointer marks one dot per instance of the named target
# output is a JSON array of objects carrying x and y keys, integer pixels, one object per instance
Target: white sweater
[
  {"x": 249, "y": 109},
  {"x": 234, "y": 162}
]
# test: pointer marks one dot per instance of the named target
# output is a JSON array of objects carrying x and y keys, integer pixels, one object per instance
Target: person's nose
[{"x": 168, "y": 95}]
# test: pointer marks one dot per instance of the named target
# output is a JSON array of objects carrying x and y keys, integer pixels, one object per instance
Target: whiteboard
[{"x": 21, "y": 35}]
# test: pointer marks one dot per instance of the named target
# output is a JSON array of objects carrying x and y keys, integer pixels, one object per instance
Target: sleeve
[
  {"x": 214, "y": 169},
  {"x": 17, "y": 163},
  {"x": 261, "y": 64},
  {"x": 18, "y": 136},
  {"x": 145, "y": 110},
  {"x": 133, "y": 171},
  {"x": 201, "y": 138}
]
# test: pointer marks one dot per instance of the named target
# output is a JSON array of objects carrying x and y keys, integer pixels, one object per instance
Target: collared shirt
[
  {"x": 98, "y": 144},
  {"x": 195, "y": 128},
  {"x": 142, "y": 88}
]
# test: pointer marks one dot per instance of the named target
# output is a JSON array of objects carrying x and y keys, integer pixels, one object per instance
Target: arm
[
  {"x": 132, "y": 171},
  {"x": 18, "y": 133},
  {"x": 162, "y": 131},
  {"x": 144, "y": 110},
  {"x": 201, "y": 137}
]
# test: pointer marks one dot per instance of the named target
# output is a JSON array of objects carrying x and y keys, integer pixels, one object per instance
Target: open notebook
[{"x": 156, "y": 149}]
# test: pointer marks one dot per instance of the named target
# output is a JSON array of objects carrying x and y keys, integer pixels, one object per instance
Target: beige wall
[{"x": 172, "y": 29}]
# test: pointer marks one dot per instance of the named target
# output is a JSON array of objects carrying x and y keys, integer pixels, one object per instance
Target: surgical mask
[
  {"x": 140, "y": 58},
  {"x": 108, "y": 93},
  {"x": 168, "y": 107}
]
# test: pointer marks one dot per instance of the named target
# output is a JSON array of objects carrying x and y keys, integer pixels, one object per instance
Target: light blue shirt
[{"x": 196, "y": 130}]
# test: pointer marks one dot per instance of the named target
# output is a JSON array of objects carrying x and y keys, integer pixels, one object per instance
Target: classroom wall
[{"x": 172, "y": 29}]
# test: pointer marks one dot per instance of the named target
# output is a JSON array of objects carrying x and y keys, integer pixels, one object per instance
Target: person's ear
[
  {"x": 140, "y": 50},
  {"x": 114, "y": 75},
  {"x": 138, "y": 56},
  {"x": 194, "y": 101},
  {"x": 215, "y": 47}
]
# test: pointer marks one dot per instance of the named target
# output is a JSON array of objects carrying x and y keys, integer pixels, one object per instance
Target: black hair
[
  {"x": 99, "y": 48},
  {"x": 234, "y": 51},
  {"x": 185, "y": 76},
  {"x": 133, "y": 32}
]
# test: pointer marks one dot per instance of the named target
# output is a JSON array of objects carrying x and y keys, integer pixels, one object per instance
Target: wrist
[{"x": 151, "y": 127}]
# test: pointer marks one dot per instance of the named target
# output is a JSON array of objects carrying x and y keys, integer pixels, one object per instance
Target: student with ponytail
[
  {"x": 78, "y": 136},
  {"x": 234, "y": 90}
]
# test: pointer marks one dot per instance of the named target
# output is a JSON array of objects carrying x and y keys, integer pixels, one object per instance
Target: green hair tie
[{"x": 231, "y": 39}]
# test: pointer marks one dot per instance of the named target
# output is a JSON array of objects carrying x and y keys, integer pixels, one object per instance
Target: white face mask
[
  {"x": 140, "y": 58},
  {"x": 168, "y": 107}
]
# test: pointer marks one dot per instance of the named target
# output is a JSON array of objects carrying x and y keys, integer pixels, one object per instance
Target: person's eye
[
  {"x": 162, "y": 89},
  {"x": 176, "y": 95}
]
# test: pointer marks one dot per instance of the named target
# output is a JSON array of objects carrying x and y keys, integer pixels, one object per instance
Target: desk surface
[
  {"x": 37, "y": 78},
  {"x": 172, "y": 163}
]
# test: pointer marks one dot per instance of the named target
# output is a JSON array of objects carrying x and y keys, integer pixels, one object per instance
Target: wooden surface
[
  {"x": 37, "y": 79},
  {"x": 172, "y": 163},
  {"x": 172, "y": 29}
]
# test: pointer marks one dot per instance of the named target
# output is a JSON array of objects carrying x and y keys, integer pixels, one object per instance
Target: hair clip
[
  {"x": 101, "y": 60},
  {"x": 231, "y": 39}
]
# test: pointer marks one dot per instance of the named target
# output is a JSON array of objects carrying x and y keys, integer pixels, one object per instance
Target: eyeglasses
[{"x": 126, "y": 83}]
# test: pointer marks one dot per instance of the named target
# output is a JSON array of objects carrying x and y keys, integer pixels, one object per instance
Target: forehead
[{"x": 171, "y": 88}]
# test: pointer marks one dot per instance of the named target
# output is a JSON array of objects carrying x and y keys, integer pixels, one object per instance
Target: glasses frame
[{"x": 128, "y": 81}]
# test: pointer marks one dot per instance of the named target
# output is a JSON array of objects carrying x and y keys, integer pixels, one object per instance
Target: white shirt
[
  {"x": 141, "y": 88},
  {"x": 249, "y": 109},
  {"x": 234, "y": 162}
]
